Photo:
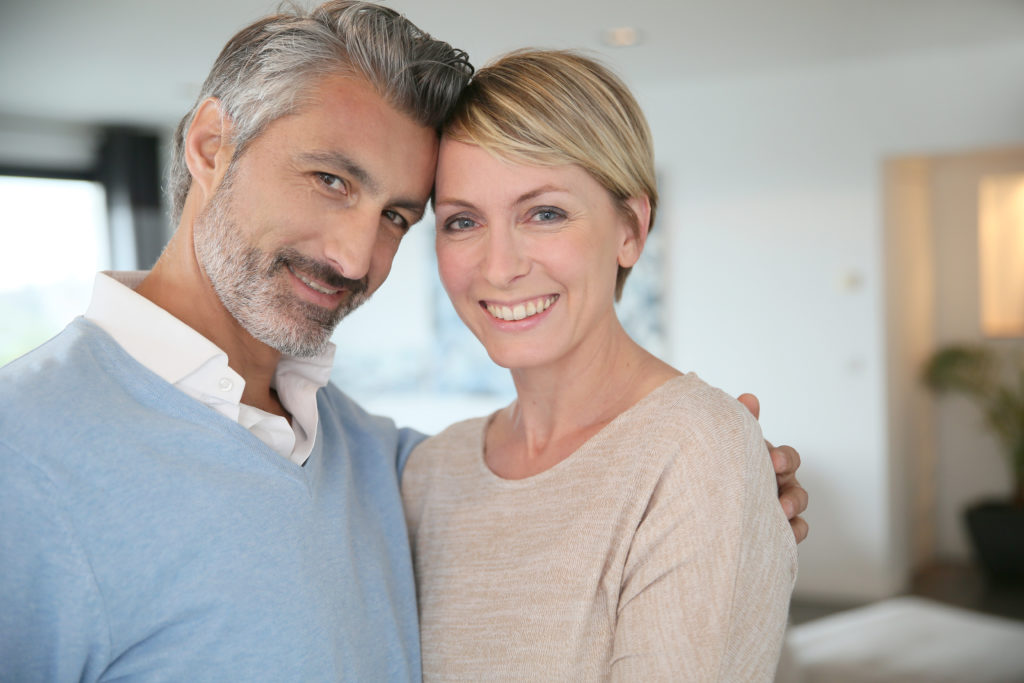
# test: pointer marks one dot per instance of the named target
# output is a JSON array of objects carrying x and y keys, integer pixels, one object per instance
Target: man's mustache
[{"x": 318, "y": 270}]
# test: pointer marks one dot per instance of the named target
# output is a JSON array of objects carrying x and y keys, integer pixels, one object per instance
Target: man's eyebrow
[
  {"x": 337, "y": 160},
  {"x": 417, "y": 206}
]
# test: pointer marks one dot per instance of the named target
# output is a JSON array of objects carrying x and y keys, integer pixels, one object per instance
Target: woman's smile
[
  {"x": 520, "y": 246},
  {"x": 520, "y": 311}
]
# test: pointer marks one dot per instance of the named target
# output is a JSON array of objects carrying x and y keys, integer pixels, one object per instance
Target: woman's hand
[{"x": 785, "y": 462}]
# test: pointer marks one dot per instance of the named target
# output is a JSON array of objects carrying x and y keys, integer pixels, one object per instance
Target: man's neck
[{"x": 177, "y": 285}]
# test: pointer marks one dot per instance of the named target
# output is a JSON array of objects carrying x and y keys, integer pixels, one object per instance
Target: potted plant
[{"x": 996, "y": 528}]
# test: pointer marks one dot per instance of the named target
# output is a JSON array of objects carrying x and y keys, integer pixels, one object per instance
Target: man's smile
[{"x": 315, "y": 286}]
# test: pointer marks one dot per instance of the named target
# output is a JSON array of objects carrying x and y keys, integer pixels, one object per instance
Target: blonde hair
[{"x": 559, "y": 107}]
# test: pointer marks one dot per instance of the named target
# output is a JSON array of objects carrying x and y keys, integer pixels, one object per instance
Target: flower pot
[{"x": 996, "y": 529}]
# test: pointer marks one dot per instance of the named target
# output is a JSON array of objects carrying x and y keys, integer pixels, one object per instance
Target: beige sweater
[{"x": 657, "y": 551}]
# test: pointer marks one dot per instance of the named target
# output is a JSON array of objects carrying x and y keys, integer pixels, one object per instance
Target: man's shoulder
[
  {"x": 336, "y": 404},
  {"x": 80, "y": 354},
  {"x": 74, "y": 389},
  {"x": 338, "y": 408},
  {"x": 30, "y": 374}
]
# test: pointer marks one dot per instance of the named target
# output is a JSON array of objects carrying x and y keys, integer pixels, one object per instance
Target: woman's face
[{"x": 528, "y": 254}]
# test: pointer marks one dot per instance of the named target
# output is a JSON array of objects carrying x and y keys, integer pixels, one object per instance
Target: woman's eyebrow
[{"x": 525, "y": 197}]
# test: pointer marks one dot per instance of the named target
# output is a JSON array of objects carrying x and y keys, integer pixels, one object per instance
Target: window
[{"x": 54, "y": 239}]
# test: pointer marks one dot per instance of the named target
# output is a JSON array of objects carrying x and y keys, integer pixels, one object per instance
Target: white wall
[{"x": 773, "y": 186}]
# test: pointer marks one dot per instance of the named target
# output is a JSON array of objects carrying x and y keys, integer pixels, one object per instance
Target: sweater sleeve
[
  {"x": 51, "y": 615},
  {"x": 408, "y": 440},
  {"x": 706, "y": 587}
]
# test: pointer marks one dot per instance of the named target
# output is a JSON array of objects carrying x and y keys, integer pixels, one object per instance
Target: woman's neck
[{"x": 560, "y": 406}]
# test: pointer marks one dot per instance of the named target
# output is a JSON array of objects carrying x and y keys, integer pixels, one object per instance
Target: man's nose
[{"x": 351, "y": 239}]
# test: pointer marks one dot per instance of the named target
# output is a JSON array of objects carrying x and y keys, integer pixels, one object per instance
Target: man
[{"x": 259, "y": 536}]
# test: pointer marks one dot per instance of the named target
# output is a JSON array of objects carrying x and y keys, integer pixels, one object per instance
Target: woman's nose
[{"x": 505, "y": 259}]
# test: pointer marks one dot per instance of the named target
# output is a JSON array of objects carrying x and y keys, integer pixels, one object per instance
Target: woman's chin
[{"x": 518, "y": 359}]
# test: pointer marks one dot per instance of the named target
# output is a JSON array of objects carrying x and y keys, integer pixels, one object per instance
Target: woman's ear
[
  {"x": 208, "y": 148},
  {"x": 635, "y": 235}
]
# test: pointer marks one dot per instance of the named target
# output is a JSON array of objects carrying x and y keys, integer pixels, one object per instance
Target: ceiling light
[{"x": 623, "y": 36}]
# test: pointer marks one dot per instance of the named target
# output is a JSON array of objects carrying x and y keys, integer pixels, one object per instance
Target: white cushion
[{"x": 906, "y": 639}]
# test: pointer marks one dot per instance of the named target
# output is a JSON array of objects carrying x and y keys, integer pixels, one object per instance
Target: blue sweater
[{"x": 143, "y": 536}]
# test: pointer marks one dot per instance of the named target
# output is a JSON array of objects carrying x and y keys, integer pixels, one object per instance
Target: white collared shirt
[{"x": 177, "y": 353}]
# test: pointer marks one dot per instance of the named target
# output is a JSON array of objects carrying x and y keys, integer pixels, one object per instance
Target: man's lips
[
  {"x": 522, "y": 310},
  {"x": 313, "y": 284}
]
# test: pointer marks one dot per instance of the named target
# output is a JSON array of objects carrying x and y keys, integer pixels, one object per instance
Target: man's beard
[{"x": 250, "y": 285}]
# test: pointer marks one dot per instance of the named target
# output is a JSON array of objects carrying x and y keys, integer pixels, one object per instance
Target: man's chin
[
  {"x": 300, "y": 348},
  {"x": 308, "y": 343},
  {"x": 304, "y": 329}
]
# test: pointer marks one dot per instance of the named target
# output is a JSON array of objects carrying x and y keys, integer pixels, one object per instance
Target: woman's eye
[
  {"x": 459, "y": 223},
  {"x": 547, "y": 214},
  {"x": 332, "y": 182}
]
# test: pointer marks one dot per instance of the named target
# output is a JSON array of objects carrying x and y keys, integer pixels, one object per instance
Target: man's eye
[
  {"x": 397, "y": 218},
  {"x": 332, "y": 182}
]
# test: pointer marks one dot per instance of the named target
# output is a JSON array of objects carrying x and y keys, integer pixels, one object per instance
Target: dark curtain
[{"x": 129, "y": 168}]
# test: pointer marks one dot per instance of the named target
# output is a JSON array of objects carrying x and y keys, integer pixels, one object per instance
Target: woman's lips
[{"x": 522, "y": 310}]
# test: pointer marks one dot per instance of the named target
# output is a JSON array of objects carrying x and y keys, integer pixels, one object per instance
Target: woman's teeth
[{"x": 520, "y": 311}]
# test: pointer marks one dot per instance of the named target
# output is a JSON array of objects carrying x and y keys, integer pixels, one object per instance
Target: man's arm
[
  {"x": 785, "y": 461},
  {"x": 52, "y": 623}
]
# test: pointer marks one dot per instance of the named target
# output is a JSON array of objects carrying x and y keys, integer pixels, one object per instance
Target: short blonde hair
[{"x": 559, "y": 107}]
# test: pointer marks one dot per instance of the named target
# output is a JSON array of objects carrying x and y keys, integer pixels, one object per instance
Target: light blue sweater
[{"x": 143, "y": 536}]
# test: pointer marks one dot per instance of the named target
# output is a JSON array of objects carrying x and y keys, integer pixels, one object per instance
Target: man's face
[{"x": 306, "y": 222}]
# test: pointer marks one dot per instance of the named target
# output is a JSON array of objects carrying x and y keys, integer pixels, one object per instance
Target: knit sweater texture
[
  {"x": 657, "y": 551},
  {"x": 143, "y": 536}
]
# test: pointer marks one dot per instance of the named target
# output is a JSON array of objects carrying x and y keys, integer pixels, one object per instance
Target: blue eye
[
  {"x": 458, "y": 223},
  {"x": 546, "y": 214}
]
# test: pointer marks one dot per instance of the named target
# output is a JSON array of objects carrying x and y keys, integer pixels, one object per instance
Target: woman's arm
[{"x": 706, "y": 588}]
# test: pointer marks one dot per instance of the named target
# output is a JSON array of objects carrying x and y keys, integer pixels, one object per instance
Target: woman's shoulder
[
  {"x": 688, "y": 419},
  {"x": 461, "y": 441},
  {"x": 688, "y": 403},
  {"x": 459, "y": 433}
]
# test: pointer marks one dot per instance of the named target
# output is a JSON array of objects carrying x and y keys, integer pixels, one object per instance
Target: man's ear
[
  {"x": 208, "y": 148},
  {"x": 635, "y": 235}
]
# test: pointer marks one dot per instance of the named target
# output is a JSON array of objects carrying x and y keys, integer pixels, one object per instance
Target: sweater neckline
[{"x": 580, "y": 453}]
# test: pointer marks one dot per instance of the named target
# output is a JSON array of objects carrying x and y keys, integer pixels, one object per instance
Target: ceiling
[{"x": 141, "y": 61}]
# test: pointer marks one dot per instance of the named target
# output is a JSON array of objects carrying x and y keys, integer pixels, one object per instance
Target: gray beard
[{"x": 250, "y": 285}]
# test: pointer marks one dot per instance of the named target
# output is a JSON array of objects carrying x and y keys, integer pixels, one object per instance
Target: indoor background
[{"x": 819, "y": 165}]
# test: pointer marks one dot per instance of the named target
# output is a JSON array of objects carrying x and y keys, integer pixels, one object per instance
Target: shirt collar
[
  {"x": 188, "y": 360},
  {"x": 150, "y": 335}
]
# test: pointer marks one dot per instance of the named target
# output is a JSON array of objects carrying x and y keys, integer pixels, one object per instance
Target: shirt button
[{"x": 226, "y": 384}]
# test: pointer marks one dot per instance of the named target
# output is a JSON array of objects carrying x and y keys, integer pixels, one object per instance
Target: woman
[{"x": 619, "y": 519}]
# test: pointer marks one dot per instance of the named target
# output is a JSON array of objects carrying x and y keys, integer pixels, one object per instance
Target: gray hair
[{"x": 263, "y": 71}]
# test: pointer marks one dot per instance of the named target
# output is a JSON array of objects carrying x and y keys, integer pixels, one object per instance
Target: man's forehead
[
  {"x": 342, "y": 102},
  {"x": 344, "y": 87}
]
